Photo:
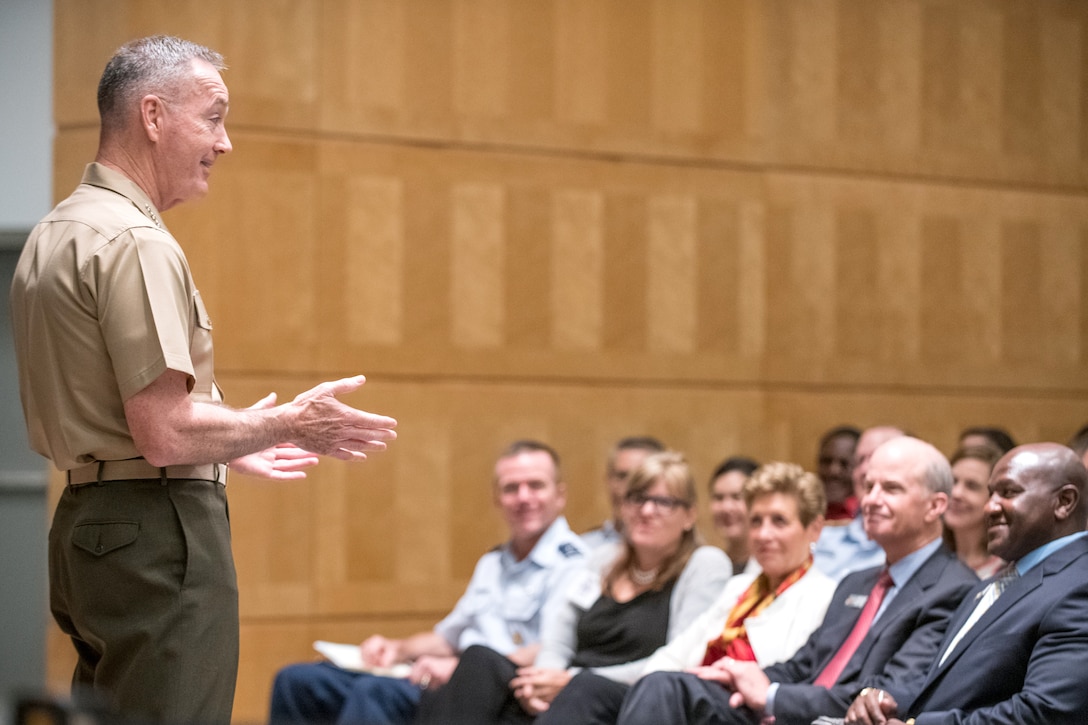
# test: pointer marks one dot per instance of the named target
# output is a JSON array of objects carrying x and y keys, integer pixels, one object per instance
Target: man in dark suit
[
  {"x": 1014, "y": 653},
  {"x": 906, "y": 491}
]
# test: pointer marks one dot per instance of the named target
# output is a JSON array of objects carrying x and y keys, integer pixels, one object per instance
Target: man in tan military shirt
[{"x": 116, "y": 378}]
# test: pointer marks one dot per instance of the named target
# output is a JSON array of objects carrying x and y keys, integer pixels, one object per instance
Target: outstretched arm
[
  {"x": 170, "y": 428},
  {"x": 283, "y": 462}
]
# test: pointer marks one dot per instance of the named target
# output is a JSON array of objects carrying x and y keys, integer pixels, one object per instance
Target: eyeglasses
[{"x": 663, "y": 504}]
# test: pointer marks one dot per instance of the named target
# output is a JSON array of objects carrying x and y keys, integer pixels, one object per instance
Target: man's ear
[
  {"x": 1066, "y": 499},
  {"x": 151, "y": 116},
  {"x": 937, "y": 505}
]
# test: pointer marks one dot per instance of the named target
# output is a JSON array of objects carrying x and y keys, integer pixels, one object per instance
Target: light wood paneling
[
  {"x": 467, "y": 262},
  {"x": 266, "y": 647},
  {"x": 982, "y": 89},
  {"x": 732, "y": 224}
]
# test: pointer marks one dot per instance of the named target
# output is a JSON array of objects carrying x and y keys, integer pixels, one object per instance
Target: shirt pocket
[
  {"x": 522, "y": 601},
  {"x": 201, "y": 354}
]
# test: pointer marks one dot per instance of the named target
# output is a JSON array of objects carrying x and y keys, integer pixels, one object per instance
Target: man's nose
[{"x": 224, "y": 146}]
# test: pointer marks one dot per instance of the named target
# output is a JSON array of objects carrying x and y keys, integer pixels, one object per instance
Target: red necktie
[{"x": 830, "y": 674}]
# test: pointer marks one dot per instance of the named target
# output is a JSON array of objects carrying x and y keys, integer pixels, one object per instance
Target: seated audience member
[
  {"x": 965, "y": 525},
  {"x": 883, "y": 624},
  {"x": 834, "y": 466},
  {"x": 624, "y": 458},
  {"x": 981, "y": 435},
  {"x": 843, "y": 549},
  {"x": 502, "y": 608},
  {"x": 1079, "y": 444},
  {"x": 1013, "y": 652},
  {"x": 727, "y": 509},
  {"x": 762, "y": 617},
  {"x": 629, "y": 600}
]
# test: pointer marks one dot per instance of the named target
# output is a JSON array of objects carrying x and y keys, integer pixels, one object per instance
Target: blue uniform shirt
[{"x": 502, "y": 605}]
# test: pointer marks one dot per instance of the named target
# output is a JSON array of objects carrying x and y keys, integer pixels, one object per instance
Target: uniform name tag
[{"x": 857, "y": 601}]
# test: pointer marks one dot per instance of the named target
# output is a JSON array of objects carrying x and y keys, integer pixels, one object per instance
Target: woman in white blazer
[{"x": 763, "y": 617}]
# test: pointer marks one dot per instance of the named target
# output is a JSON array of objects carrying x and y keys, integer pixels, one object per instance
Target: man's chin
[
  {"x": 530, "y": 530},
  {"x": 995, "y": 542},
  {"x": 872, "y": 527}
]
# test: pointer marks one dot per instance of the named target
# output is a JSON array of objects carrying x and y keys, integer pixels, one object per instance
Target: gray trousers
[{"x": 142, "y": 580}]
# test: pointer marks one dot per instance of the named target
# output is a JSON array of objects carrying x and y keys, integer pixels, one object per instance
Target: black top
[{"x": 611, "y": 633}]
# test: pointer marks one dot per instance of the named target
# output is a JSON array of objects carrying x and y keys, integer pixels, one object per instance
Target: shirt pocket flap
[{"x": 202, "y": 318}]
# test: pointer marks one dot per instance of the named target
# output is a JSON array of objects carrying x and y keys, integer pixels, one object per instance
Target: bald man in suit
[{"x": 1014, "y": 651}]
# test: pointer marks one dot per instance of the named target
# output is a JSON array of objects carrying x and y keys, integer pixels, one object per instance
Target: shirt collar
[
  {"x": 104, "y": 177},
  {"x": 545, "y": 553},
  {"x": 1034, "y": 557},
  {"x": 902, "y": 570}
]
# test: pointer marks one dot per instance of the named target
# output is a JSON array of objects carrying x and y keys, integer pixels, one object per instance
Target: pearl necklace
[{"x": 642, "y": 578}]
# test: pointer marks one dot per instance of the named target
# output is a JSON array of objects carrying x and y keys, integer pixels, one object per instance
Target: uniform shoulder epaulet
[{"x": 569, "y": 550}]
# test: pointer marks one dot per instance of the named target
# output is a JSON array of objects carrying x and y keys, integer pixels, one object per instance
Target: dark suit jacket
[
  {"x": 1024, "y": 661},
  {"x": 901, "y": 644}
]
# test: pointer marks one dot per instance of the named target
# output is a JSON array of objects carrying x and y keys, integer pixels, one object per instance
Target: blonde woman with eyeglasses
[{"x": 631, "y": 599}]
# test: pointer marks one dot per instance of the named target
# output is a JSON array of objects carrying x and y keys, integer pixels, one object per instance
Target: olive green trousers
[{"x": 142, "y": 579}]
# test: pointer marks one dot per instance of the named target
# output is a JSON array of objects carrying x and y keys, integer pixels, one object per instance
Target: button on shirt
[{"x": 502, "y": 605}]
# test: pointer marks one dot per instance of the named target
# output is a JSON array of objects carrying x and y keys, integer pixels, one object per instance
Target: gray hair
[
  {"x": 149, "y": 65},
  {"x": 936, "y": 474}
]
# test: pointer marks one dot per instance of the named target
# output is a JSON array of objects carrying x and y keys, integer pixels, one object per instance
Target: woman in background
[
  {"x": 965, "y": 528},
  {"x": 727, "y": 509}
]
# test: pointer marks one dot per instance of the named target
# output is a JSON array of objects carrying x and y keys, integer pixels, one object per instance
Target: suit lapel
[
  {"x": 926, "y": 576},
  {"x": 1024, "y": 586},
  {"x": 907, "y": 594},
  {"x": 1014, "y": 592},
  {"x": 860, "y": 597}
]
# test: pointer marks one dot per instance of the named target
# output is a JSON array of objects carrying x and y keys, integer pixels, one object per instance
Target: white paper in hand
[{"x": 349, "y": 657}]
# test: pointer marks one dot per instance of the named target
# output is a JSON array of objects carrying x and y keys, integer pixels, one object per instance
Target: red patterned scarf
[{"x": 733, "y": 641}]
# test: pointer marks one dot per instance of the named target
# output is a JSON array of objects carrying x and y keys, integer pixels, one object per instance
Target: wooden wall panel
[
  {"x": 268, "y": 646},
  {"x": 410, "y": 520},
  {"x": 729, "y": 223},
  {"x": 431, "y": 261},
  {"x": 983, "y": 89}
]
